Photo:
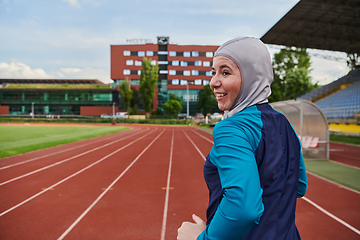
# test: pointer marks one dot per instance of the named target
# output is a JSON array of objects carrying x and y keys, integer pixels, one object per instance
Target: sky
[{"x": 71, "y": 39}]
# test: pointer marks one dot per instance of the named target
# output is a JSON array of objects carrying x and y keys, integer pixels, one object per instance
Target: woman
[{"x": 255, "y": 170}]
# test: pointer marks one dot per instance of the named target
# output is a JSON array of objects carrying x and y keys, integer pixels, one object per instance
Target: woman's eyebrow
[{"x": 224, "y": 66}]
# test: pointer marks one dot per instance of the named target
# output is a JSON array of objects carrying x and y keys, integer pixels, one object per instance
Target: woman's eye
[
  {"x": 213, "y": 73},
  {"x": 225, "y": 73}
]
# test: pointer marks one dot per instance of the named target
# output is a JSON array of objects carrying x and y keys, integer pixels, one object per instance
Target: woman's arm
[
  {"x": 241, "y": 206},
  {"x": 302, "y": 178}
]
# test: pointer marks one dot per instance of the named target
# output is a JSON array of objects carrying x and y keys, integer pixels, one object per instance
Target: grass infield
[{"x": 21, "y": 139}]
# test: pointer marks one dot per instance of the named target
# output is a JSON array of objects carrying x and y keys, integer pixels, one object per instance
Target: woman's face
[{"x": 226, "y": 82}]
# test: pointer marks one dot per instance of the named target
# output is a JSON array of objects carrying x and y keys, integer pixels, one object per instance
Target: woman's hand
[{"x": 190, "y": 231}]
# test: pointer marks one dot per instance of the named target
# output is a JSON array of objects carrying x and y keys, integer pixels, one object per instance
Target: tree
[
  {"x": 291, "y": 74},
  {"x": 135, "y": 101},
  {"x": 353, "y": 61},
  {"x": 207, "y": 100},
  {"x": 126, "y": 94},
  {"x": 148, "y": 79},
  {"x": 173, "y": 106}
]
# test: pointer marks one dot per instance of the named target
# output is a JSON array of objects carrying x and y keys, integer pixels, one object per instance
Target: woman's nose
[{"x": 215, "y": 82}]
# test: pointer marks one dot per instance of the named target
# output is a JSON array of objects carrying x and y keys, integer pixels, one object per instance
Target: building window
[
  {"x": 208, "y": 73},
  {"x": 126, "y": 72},
  {"x": 186, "y": 54},
  {"x": 183, "y": 82},
  {"x": 139, "y": 72},
  {"x": 187, "y": 73},
  {"x": 197, "y": 82},
  {"x": 198, "y": 63},
  {"x": 149, "y": 53},
  {"x": 209, "y": 54},
  {"x": 195, "y": 72},
  {"x": 153, "y": 62},
  {"x": 163, "y": 62},
  {"x": 129, "y": 62},
  {"x": 195, "y": 54},
  {"x": 138, "y": 63},
  {"x": 175, "y": 63},
  {"x": 172, "y": 54},
  {"x": 183, "y": 64},
  {"x": 141, "y": 54},
  {"x": 163, "y": 72},
  {"x": 162, "y": 53},
  {"x": 206, "y": 82},
  {"x": 135, "y": 82},
  {"x": 206, "y": 64},
  {"x": 127, "y": 53},
  {"x": 175, "y": 82},
  {"x": 172, "y": 72}
]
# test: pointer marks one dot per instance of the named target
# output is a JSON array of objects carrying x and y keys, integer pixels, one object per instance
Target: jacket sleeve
[
  {"x": 241, "y": 206},
  {"x": 302, "y": 178}
]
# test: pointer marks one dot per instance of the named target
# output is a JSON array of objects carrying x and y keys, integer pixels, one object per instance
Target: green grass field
[{"x": 21, "y": 139}]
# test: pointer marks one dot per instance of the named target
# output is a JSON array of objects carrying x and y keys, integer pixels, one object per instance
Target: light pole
[
  {"x": 187, "y": 99},
  {"x": 32, "y": 110},
  {"x": 113, "y": 108}
]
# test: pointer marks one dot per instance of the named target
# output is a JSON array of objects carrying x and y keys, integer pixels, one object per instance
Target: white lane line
[
  {"x": 71, "y": 176},
  {"x": 107, "y": 189},
  {"x": 65, "y": 160},
  {"x": 163, "y": 228},
  {"x": 337, "y": 184},
  {"x": 195, "y": 146},
  {"x": 54, "y": 153},
  {"x": 203, "y": 137},
  {"x": 332, "y": 216}
]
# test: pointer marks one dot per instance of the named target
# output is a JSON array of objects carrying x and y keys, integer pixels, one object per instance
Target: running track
[{"x": 138, "y": 184}]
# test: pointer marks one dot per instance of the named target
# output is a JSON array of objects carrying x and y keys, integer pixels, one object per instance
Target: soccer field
[{"x": 21, "y": 139}]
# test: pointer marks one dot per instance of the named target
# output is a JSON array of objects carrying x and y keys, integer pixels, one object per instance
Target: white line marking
[
  {"x": 54, "y": 153},
  {"x": 163, "y": 228},
  {"x": 332, "y": 216},
  {"x": 344, "y": 164},
  {"x": 107, "y": 189},
  {"x": 195, "y": 146},
  {"x": 337, "y": 184},
  {"x": 71, "y": 176},
  {"x": 65, "y": 160},
  {"x": 203, "y": 137}
]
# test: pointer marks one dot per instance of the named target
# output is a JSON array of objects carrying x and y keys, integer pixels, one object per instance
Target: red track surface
[{"x": 115, "y": 187}]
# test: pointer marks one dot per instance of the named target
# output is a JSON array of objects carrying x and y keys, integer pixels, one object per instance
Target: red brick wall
[{"x": 4, "y": 110}]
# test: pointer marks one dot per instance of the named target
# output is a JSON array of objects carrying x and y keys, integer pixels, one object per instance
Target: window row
[
  {"x": 184, "y": 82},
  {"x": 138, "y": 63},
  {"x": 170, "y": 53},
  {"x": 172, "y": 72},
  {"x": 172, "y": 63}
]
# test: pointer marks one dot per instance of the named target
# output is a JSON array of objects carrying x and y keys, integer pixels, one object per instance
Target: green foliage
[
  {"x": 291, "y": 74},
  {"x": 207, "y": 100},
  {"x": 126, "y": 94},
  {"x": 148, "y": 80},
  {"x": 353, "y": 61},
  {"x": 173, "y": 106},
  {"x": 135, "y": 101}
]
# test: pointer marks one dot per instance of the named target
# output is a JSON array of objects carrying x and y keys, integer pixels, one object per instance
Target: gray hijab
[{"x": 254, "y": 61}]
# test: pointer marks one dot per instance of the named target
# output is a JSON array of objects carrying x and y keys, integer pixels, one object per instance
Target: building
[
  {"x": 183, "y": 69},
  {"x": 85, "y": 97}
]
